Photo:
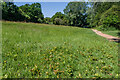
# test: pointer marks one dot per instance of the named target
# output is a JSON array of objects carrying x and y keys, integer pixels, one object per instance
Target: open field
[{"x": 49, "y": 51}]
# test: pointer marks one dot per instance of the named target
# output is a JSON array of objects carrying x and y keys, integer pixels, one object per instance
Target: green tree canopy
[
  {"x": 76, "y": 13},
  {"x": 98, "y": 10},
  {"x": 11, "y": 12},
  {"x": 58, "y": 18},
  {"x": 32, "y": 13},
  {"x": 58, "y": 15},
  {"x": 111, "y": 18}
]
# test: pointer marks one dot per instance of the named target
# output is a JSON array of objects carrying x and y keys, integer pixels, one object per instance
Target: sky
[
  {"x": 45, "y": 0},
  {"x": 48, "y": 8}
]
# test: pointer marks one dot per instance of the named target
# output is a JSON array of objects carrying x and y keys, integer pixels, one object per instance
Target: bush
[
  {"x": 110, "y": 19},
  {"x": 58, "y": 21},
  {"x": 40, "y": 20},
  {"x": 110, "y": 22}
]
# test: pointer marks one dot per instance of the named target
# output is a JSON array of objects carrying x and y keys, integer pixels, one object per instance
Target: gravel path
[{"x": 109, "y": 37}]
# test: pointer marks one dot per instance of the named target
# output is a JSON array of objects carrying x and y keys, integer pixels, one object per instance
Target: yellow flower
[
  {"x": 80, "y": 75},
  {"x": 5, "y": 61},
  {"x": 57, "y": 76},
  {"x": 15, "y": 55},
  {"x": 70, "y": 55},
  {"x": 66, "y": 49},
  {"x": 96, "y": 67},
  {"x": 47, "y": 73},
  {"x": 96, "y": 74},
  {"x": 52, "y": 50},
  {"x": 5, "y": 76},
  {"x": 117, "y": 75},
  {"x": 94, "y": 77},
  {"x": 100, "y": 70},
  {"x": 55, "y": 47},
  {"x": 35, "y": 66},
  {"x": 58, "y": 63}
]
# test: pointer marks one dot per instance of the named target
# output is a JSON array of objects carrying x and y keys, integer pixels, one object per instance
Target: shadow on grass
[
  {"x": 116, "y": 40},
  {"x": 118, "y": 36}
]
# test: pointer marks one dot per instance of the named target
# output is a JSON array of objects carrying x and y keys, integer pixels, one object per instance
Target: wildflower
[
  {"x": 58, "y": 63},
  {"x": 15, "y": 55},
  {"x": 5, "y": 61},
  {"x": 57, "y": 76},
  {"x": 5, "y": 76},
  {"x": 60, "y": 54},
  {"x": 35, "y": 66},
  {"x": 52, "y": 50},
  {"x": 64, "y": 42},
  {"x": 47, "y": 73},
  {"x": 96, "y": 67},
  {"x": 51, "y": 56},
  {"x": 96, "y": 74},
  {"x": 94, "y": 77},
  {"x": 80, "y": 75},
  {"x": 61, "y": 71},
  {"x": 55, "y": 47},
  {"x": 66, "y": 49},
  {"x": 59, "y": 57},
  {"x": 101, "y": 70},
  {"x": 117, "y": 75},
  {"x": 110, "y": 74},
  {"x": 55, "y": 71}
]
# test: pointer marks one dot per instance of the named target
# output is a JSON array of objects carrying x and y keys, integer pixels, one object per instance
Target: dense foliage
[
  {"x": 104, "y": 15},
  {"x": 11, "y": 12},
  {"x": 58, "y": 18},
  {"x": 48, "y": 20},
  {"x": 76, "y": 13},
  {"x": 32, "y": 12},
  {"x": 27, "y": 13}
]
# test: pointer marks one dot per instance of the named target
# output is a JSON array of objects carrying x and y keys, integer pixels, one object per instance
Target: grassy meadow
[
  {"x": 32, "y": 50},
  {"x": 113, "y": 33}
]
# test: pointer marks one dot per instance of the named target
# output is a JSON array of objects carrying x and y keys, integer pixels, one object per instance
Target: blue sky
[
  {"x": 48, "y": 8},
  {"x": 46, "y": 0}
]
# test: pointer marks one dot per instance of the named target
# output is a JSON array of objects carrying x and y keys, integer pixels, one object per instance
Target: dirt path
[{"x": 109, "y": 37}]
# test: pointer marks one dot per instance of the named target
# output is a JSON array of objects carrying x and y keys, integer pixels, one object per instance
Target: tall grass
[{"x": 49, "y": 51}]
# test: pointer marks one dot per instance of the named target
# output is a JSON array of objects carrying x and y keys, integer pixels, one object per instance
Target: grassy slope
[
  {"x": 39, "y": 50},
  {"x": 0, "y": 50},
  {"x": 113, "y": 33}
]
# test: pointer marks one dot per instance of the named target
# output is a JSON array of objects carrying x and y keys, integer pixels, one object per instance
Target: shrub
[
  {"x": 58, "y": 21},
  {"x": 110, "y": 19},
  {"x": 105, "y": 28}
]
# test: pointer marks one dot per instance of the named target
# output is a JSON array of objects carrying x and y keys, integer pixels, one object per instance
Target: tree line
[
  {"x": 104, "y": 15},
  {"x": 27, "y": 13}
]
